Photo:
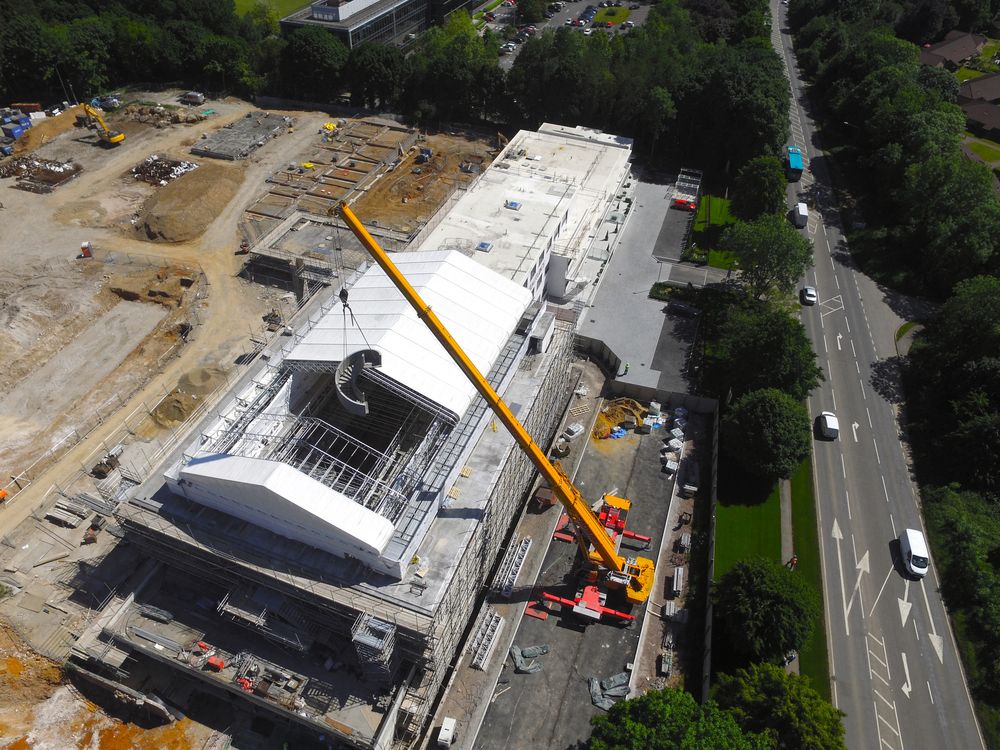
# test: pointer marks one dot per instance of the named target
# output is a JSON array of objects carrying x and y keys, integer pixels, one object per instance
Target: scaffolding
[{"x": 374, "y": 640}]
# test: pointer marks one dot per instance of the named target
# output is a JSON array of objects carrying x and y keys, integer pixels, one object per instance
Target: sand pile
[
  {"x": 183, "y": 209},
  {"x": 43, "y": 131},
  {"x": 615, "y": 413}
]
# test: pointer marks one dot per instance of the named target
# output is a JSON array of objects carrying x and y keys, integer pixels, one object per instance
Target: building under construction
[{"x": 323, "y": 539}]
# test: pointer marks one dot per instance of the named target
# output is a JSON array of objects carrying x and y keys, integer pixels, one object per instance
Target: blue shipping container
[
  {"x": 14, "y": 131},
  {"x": 24, "y": 122},
  {"x": 6, "y": 150}
]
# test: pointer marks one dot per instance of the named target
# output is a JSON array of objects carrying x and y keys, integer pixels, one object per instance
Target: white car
[
  {"x": 808, "y": 295},
  {"x": 588, "y": 32},
  {"x": 829, "y": 425}
]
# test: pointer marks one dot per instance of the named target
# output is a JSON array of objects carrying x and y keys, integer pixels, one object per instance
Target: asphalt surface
[
  {"x": 895, "y": 668},
  {"x": 506, "y": 16}
]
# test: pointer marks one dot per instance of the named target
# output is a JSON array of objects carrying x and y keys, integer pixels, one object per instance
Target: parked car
[
  {"x": 628, "y": 24},
  {"x": 570, "y": 22},
  {"x": 808, "y": 295},
  {"x": 634, "y": 6},
  {"x": 588, "y": 32}
]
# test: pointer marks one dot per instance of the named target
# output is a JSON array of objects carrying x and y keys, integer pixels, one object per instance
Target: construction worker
[
  {"x": 626, "y": 369},
  {"x": 793, "y": 562}
]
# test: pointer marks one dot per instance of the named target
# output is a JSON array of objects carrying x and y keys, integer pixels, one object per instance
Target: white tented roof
[
  {"x": 479, "y": 308},
  {"x": 279, "y": 497}
]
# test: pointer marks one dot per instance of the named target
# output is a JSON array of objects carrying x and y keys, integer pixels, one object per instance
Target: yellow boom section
[
  {"x": 639, "y": 572},
  {"x": 105, "y": 133}
]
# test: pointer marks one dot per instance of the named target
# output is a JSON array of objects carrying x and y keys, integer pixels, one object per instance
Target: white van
[
  {"x": 914, "y": 551},
  {"x": 446, "y": 735},
  {"x": 800, "y": 215}
]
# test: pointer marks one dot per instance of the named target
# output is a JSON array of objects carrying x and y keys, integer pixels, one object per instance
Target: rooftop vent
[{"x": 512, "y": 205}]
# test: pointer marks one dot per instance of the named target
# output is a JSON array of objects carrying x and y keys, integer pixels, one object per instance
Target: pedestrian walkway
[{"x": 787, "y": 546}]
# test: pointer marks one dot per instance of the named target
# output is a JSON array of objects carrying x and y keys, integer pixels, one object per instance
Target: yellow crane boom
[
  {"x": 635, "y": 574},
  {"x": 106, "y": 134}
]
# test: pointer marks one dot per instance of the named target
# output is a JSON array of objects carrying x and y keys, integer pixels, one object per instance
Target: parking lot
[{"x": 571, "y": 11}]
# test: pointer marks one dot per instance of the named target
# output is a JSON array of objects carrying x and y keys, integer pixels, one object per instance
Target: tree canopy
[
  {"x": 765, "y": 699},
  {"x": 759, "y": 188},
  {"x": 765, "y": 610},
  {"x": 670, "y": 719},
  {"x": 767, "y": 432},
  {"x": 771, "y": 253}
]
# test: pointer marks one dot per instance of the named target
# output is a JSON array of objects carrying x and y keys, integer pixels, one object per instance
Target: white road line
[
  {"x": 881, "y": 662},
  {"x": 868, "y": 412},
  {"x": 915, "y": 629},
  {"x": 825, "y": 347},
  {"x": 828, "y": 249},
  {"x": 833, "y": 394},
  {"x": 875, "y": 603},
  {"x": 843, "y": 468},
  {"x": 876, "y": 453},
  {"x": 893, "y": 522},
  {"x": 882, "y": 698},
  {"x": 885, "y": 489},
  {"x": 863, "y": 394},
  {"x": 894, "y": 731},
  {"x": 848, "y": 324},
  {"x": 847, "y": 497},
  {"x": 929, "y": 693},
  {"x": 832, "y": 266},
  {"x": 853, "y": 350},
  {"x": 878, "y": 729},
  {"x": 857, "y": 366},
  {"x": 876, "y": 674},
  {"x": 836, "y": 280}
]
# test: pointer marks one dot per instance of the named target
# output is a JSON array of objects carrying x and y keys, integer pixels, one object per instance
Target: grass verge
[
  {"x": 814, "y": 661},
  {"x": 721, "y": 259},
  {"x": 712, "y": 218},
  {"x": 747, "y": 523},
  {"x": 985, "y": 151},
  {"x": 615, "y": 15},
  {"x": 904, "y": 329},
  {"x": 281, "y": 7},
  {"x": 964, "y": 74}
]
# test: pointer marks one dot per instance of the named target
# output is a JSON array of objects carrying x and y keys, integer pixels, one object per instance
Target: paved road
[{"x": 895, "y": 668}]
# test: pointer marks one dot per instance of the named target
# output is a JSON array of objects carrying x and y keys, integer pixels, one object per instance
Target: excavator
[
  {"x": 598, "y": 535},
  {"x": 108, "y": 136}
]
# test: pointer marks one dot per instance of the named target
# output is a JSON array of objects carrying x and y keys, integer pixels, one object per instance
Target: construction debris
[
  {"x": 159, "y": 171},
  {"x": 521, "y": 657},
  {"x": 239, "y": 139},
  {"x": 160, "y": 117},
  {"x": 39, "y": 175},
  {"x": 603, "y": 692},
  {"x": 622, "y": 412}
]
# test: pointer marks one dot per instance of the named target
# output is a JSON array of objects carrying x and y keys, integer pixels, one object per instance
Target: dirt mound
[
  {"x": 164, "y": 286},
  {"x": 615, "y": 413},
  {"x": 189, "y": 394},
  {"x": 43, "y": 131},
  {"x": 202, "y": 381},
  {"x": 182, "y": 210}
]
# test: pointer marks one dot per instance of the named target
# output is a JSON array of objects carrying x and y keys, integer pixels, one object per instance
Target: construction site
[{"x": 298, "y": 504}]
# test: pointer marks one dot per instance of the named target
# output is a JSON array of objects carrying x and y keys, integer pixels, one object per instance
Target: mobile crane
[
  {"x": 107, "y": 135},
  {"x": 634, "y": 575}
]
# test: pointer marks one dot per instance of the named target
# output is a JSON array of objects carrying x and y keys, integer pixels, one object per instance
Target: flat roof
[
  {"x": 479, "y": 308},
  {"x": 558, "y": 172}
]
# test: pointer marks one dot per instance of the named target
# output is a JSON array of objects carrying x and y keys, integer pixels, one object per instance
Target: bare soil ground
[
  {"x": 39, "y": 712},
  {"x": 403, "y": 200},
  {"x": 60, "y": 318}
]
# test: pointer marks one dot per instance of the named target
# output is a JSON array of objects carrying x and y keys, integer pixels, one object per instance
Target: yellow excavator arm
[
  {"x": 636, "y": 574},
  {"x": 105, "y": 133}
]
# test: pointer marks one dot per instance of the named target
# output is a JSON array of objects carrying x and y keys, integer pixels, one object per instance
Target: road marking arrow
[
  {"x": 854, "y": 429},
  {"x": 839, "y": 537},
  {"x": 839, "y": 337},
  {"x": 936, "y": 641},
  {"x": 904, "y": 605},
  {"x": 862, "y": 568},
  {"x": 906, "y": 670}
]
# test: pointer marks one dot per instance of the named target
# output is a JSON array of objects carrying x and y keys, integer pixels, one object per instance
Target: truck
[
  {"x": 800, "y": 215},
  {"x": 793, "y": 163}
]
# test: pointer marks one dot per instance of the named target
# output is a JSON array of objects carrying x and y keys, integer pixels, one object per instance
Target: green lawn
[
  {"x": 713, "y": 216},
  {"x": 615, "y": 15},
  {"x": 985, "y": 150},
  {"x": 281, "y": 7},
  {"x": 990, "y": 50},
  {"x": 814, "y": 661},
  {"x": 964, "y": 74},
  {"x": 745, "y": 525}
]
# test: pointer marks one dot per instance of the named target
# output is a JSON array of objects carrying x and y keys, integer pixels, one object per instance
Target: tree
[
  {"x": 667, "y": 720},
  {"x": 765, "y": 610},
  {"x": 376, "y": 73},
  {"x": 767, "y": 433},
  {"x": 759, "y": 189},
  {"x": 531, "y": 11},
  {"x": 771, "y": 253},
  {"x": 765, "y": 699},
  {"x": 319, "y": 52},
  {"x": 760, "y": 345}
]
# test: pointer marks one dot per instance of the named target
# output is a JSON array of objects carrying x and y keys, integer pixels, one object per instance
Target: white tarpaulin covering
[
  {"x": 479, "y": 308},
  {"x": 286, "y": 501}
]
